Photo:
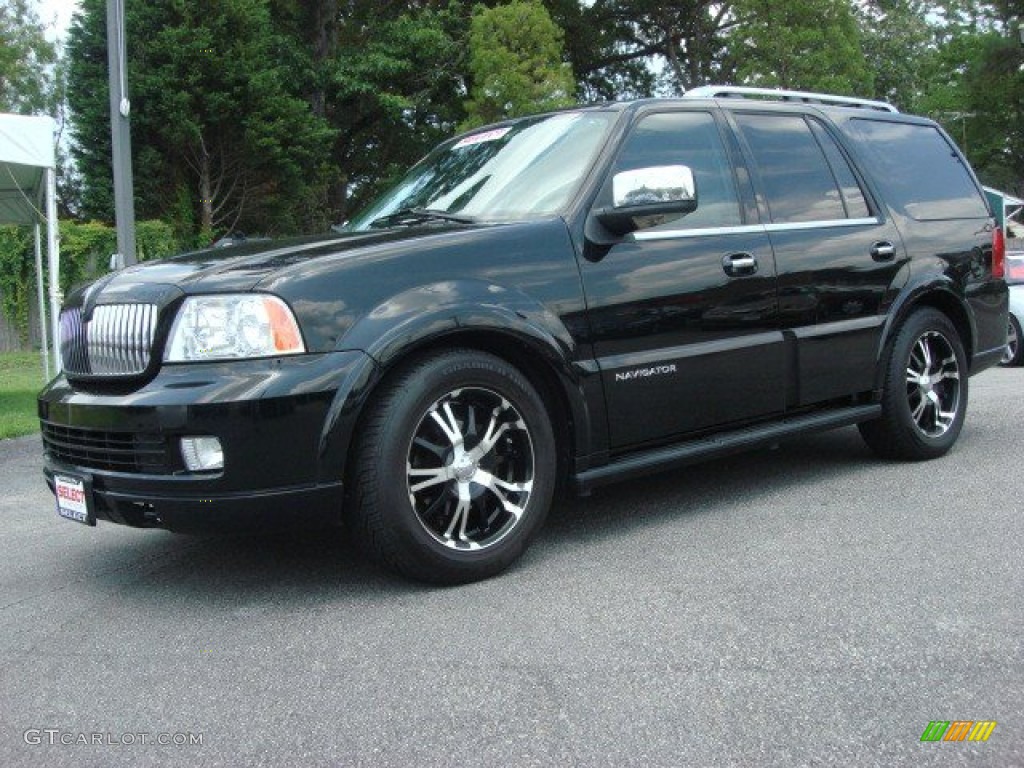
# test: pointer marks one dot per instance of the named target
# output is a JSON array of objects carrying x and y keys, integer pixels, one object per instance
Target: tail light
[{"x": 998, "y": 253}]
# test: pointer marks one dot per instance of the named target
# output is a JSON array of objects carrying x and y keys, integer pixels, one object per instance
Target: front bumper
[{"x": 282, "y": 424}]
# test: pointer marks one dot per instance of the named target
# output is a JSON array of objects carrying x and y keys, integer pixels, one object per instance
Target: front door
[{"x": 684, "y": 313}]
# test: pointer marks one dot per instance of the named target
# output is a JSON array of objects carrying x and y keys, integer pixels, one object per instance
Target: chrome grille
[
  {"x": 72, "y": 341},
  {"x": 117, "y": 341}
]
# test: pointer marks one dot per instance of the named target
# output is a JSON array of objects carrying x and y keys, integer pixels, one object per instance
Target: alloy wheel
[
  {"x": 470, "y": 468},
  {"x": 933, "y": 384},
  {"x": 1012, "y": 342}
]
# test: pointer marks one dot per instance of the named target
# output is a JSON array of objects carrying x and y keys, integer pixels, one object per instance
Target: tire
[
  {"x": 1013, "y": 356},
  {"x": 924, "y": 399},
  {"x": 454, "y": 469}
]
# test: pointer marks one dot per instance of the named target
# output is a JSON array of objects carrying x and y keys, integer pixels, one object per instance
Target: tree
[
  {"x": 516, "y": 63},
  {"x": 395, "y": 89},
  {"x": 803, "y": 44},
  {"x": 27, "y": 61},
  {"x": 994, "y": 95},
  {"x": 896, "y": 39},
  {"x": 602, "y": 65},
  {"x": 624, "y": 48},
  {"x": 975, "y": 87},
  {"x": 219, "y": 101},
  {"x": 301, "y": 110},
  {"x": 220, "y": 138}
]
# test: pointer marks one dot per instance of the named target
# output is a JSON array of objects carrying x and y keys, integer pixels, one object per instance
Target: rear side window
[
  {"x": 799, "y": 183},
  {"x": 853, "y": 196},
  {"x": 918, "y": 170}
]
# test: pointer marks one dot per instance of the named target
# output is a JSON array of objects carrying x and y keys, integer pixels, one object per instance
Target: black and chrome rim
[
  {"x": 933, "y": 384},
  {"x": 1011, "y": 343},
  {"x": 470, "y": 469}
]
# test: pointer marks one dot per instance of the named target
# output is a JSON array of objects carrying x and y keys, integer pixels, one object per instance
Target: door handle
[
  {"x": 736, "y": 264},
  {"x": 883, "y": 250}
]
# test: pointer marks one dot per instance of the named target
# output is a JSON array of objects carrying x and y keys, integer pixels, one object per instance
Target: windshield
[{"x": 525, "y": 170}]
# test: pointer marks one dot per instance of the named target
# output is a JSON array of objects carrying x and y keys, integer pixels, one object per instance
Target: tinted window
[
  {"x": 918, "y": 170},
  {"x": 797, "y": 181},
  {"x": 853, "y": 197},
  {"x": 692, "y": 139}
]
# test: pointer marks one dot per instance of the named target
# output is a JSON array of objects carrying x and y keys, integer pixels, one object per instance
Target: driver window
[{"x": 685, "y": 138}]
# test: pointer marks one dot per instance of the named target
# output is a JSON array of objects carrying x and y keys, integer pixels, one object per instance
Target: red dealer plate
[{"x": 73, "y": 499}]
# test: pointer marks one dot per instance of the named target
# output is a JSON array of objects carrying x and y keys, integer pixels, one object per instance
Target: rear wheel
[
  {"x": 925, "y": 392},
  {"x": 455, "y": 468},
  {"x": 1012, "y": 356}
]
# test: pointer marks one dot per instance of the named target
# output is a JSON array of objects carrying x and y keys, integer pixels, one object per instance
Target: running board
[{"x": 659, "y": 459}]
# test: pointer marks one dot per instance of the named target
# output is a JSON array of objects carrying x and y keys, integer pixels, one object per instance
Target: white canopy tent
[{"x": 28, "y": 196}]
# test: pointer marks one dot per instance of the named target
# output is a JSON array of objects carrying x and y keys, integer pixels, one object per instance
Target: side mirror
[{"x": 645, "y": 196}]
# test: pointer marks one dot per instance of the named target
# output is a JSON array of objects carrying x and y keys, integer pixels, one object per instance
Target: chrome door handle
[
  {"x": 739, "y": 264},
  {"x": 883, "y": 250}
]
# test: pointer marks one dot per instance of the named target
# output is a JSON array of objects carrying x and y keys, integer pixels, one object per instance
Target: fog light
[{"x": 202, "y": 454}]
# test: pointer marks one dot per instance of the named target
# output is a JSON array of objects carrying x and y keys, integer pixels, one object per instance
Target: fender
[
  {"x": 932, "y": 289},
  {"x": 442, "y": 313}
]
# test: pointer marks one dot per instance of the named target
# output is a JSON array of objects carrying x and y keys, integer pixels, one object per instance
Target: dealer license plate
[{"x": 73, "y": 500}]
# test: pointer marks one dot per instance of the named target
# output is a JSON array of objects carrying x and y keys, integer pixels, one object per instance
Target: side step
[{"x": 659, "y": 459}]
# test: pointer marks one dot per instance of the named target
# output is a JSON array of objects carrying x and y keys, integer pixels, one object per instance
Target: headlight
[{"x": 233, "y": 326}]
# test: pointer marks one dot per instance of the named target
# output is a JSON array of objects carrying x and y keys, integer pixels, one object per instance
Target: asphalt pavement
[{"x": 810, "y": 605}]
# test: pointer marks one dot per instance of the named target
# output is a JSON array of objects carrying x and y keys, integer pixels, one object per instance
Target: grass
[{"x": 21, "y": 378}]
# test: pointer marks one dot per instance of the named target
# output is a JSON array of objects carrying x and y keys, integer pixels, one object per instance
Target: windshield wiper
[{"x": 416, "y": 215}]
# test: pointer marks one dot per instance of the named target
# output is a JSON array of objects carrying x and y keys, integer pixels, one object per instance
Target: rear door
[{"x": 839, "y": 259}]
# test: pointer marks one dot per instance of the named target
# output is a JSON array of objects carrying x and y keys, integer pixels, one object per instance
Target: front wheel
[
  {"x": 925, "y": 392},
  {"x": 454, "y": 470}
]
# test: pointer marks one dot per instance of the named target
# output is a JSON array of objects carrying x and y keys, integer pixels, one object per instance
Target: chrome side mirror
[
  {"x": 646, "y": 196},
  {"x": 660, "y": 185}
]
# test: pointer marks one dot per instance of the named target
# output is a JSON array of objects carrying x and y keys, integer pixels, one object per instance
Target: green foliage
[
  {"x": 26, "y": 60},
  {"x": 85, "y": 249},
  {"x": 87, "y": 94},
  {"x": 809, "y": 45},
  {"x": 17, "y": 276},
  {"x": 617, "y": 47},
  {"x": 215, "y": 116},
  {"x": 974, "y": 86},
  {"x": 896, "y": 40},
  {"x": 156, "y": 240},
  {"x": 993, "y": 122},
  {"x": 394, "y": 90},
  {"x": 516, "y": 63}
]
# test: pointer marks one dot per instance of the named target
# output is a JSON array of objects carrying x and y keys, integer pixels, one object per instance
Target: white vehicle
[{"x": 1013, "y": 356}]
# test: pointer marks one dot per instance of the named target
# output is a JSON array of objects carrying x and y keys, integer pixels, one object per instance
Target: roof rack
[{"x": 736, "y": 91}]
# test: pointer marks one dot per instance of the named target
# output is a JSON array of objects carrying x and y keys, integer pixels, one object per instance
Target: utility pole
[{"x": 121, "y": 136}]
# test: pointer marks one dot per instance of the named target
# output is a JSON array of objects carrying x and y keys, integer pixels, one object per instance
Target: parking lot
[{"x": 810, "y": 605}]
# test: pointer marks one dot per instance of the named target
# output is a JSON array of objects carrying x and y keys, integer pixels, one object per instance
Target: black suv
[{"x": 566, "y": 299}]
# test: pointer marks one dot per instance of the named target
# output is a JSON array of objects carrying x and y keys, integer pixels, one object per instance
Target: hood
[{"x": 237, "y": 268}]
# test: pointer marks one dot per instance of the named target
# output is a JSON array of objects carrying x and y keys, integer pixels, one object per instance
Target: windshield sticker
[{"x": 481, "y": 138}]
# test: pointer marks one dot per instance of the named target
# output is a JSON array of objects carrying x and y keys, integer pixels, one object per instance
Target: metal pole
[
  {"x": 120, "y": 134},
  {"x": 44, "y": 348},
  {"x": 54, "y": 256}
]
